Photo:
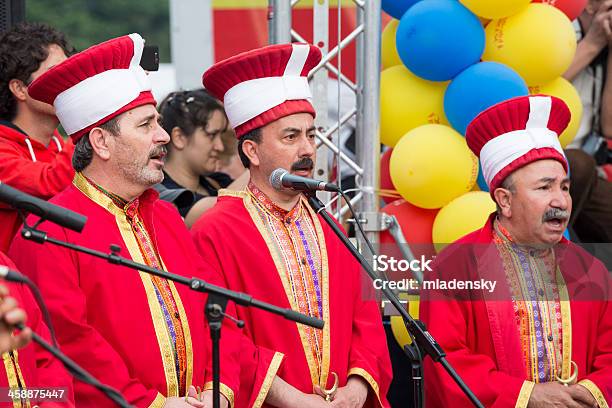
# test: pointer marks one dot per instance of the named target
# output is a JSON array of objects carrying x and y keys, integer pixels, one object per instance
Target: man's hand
[
  {"x": 179, "y": 402},
  {"x": 352, "y": 395},
  {"x": 285, "y": 395},
  {"x": 582, "y": 395},
  {"x": 207, "y": 398},
  {"x": 600, "y": 31},
  {"x": 553, "y": 394},
  {"x": 10, "y": 315}
]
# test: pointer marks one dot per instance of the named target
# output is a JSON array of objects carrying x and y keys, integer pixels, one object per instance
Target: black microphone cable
[
  {"x": 77, "y": 371},
  {"x": 14, "y": 276}
]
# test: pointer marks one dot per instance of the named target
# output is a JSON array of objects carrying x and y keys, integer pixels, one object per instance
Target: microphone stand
[
  {"x": 77, "y": 371},
  {"x": 215, "y": 305},
  {"x": 417, "y": 329}
]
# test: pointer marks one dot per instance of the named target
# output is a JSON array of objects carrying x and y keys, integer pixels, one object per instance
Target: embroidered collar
[
  {"x": 130, "y": 208},
  {"x": 503, "y": 236},
  {"x": 272, "y": 208}
]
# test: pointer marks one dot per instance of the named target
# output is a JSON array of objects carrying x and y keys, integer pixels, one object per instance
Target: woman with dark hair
[{"x": 195, "y": 121}]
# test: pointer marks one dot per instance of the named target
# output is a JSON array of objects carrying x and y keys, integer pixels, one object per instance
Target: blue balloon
[
  {"x": 477, "y": 88},
  {"x": 397, "y": 8},
  {"x": 566, "y": 234},
  {"x": 482, "y": 183},
  {"x": 437, "y": 39}
]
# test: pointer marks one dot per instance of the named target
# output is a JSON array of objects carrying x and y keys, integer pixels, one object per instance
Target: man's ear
[
  {"x": 503, "y": 198},
  {"x": 178, "y": 139},
  {"x": 100, "y": 142},
  {"x": 249, "y": 148},
  {"x": 18, "y": 89}
]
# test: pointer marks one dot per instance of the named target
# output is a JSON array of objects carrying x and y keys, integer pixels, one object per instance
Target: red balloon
[
  {"x": 385, "y": 176},
  {"x": 571, "y": 8},
  {"x": 416, "y": 224}
]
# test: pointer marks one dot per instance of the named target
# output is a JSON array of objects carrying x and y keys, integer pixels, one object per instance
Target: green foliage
[{"x": 87, "y": 22}]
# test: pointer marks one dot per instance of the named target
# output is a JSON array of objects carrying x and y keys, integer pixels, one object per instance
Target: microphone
[
  {"x": 11, "y": 275},
  {"x": 281, "y": 178},
  {"x": 45, "y": 210}
]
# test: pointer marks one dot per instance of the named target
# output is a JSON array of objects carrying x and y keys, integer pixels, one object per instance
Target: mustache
[
  {"x": 555, "y": 213},
  {"x": 158, "y": 151},
  {"x": 305, "y": 163}
]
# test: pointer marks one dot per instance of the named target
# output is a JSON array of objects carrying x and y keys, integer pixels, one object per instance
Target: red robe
[
  {"x": 107, "y": 316},
  {"x": 37, "y": 368},
  {"x": 354, "y": 340},
  {"x": 49, "y": 175},
  {"x": 481, "y": 338}
]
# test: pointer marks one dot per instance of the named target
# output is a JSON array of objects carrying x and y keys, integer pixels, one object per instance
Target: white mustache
[{"x": 555, "y": 213}]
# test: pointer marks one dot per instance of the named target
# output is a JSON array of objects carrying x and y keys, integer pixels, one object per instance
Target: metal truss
[{"x": 365, "y": 113}]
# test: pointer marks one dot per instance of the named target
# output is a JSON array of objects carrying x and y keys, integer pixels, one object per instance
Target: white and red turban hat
[
  {"x": 516, "y": 132},
  {"x": 262, "y": 85},
  {"x": 95, "y": 85}
]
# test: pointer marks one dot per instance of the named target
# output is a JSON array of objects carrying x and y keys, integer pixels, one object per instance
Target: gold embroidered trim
[
  {"x": 157, "y": 315},
  {"x": 232, "y": 193},
  {"x": 223, "y": 389},
  {"x": 524, "y": 394},
  {"x": 158, "y": 402},
  {"x": 595, "y": 392},
  {"x": 20, "y": 375},
  {"x": 267, "y": 382},
  {"x": 186, "y": 331},
  {"x": 326, "y": 353},
  {"x": 11, "y": 376},
  {"x": 566, "y": 324},
  {"x": 370, "y": 380}
]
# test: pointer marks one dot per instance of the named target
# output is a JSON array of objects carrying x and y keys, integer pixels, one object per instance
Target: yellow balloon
[
  {"x": 460, "y": 217},
  {"x": 388, "y": 48},
  {"x": 539, "y": 43},
  {"x": 495, "y": 8},
  {"x": 563, "y": 89},
  {"x": 397, "y": 323},
  {"x": 407, "y": 101},
  {"x": 431, "y": 165}
]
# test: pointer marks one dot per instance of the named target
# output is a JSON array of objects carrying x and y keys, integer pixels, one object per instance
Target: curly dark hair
[
  {"x": 188, "y": 110},
  {"x": 22, "y": 49}
]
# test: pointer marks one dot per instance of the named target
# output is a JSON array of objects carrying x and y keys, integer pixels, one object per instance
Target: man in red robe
[
  {"x": 543, "y": 336},
  {"x": 33, "y": 156},
  {"x": 31, "y": 367},
  {"x": 271, "y": 244},
  {"x": 141, "y": 334}
]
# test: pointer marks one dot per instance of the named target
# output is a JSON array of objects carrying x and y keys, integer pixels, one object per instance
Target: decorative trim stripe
[
  {"x": 370, "y": 380},
  {"x": 20, "y": 375},
  {"x": 224, "y": 390},
  {"x": 524, "y": 394},
  {"x": 232, "y": 193},
  {"x": 595, "y": 391},
  {"x": 566, "y": 326},
  {"x": 158, "y": 402},
  {"x": 185, "y": 326},
  {"x": 269, "y": 378},
  {"x": 11, "y": 376},
  {"x": 326, "y": 352}
]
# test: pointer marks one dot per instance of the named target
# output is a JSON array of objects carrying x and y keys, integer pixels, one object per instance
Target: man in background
[{"x": 33, "y": 156}]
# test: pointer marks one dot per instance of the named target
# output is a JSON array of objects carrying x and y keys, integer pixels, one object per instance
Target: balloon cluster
[{"x": 444, "y": 62}]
